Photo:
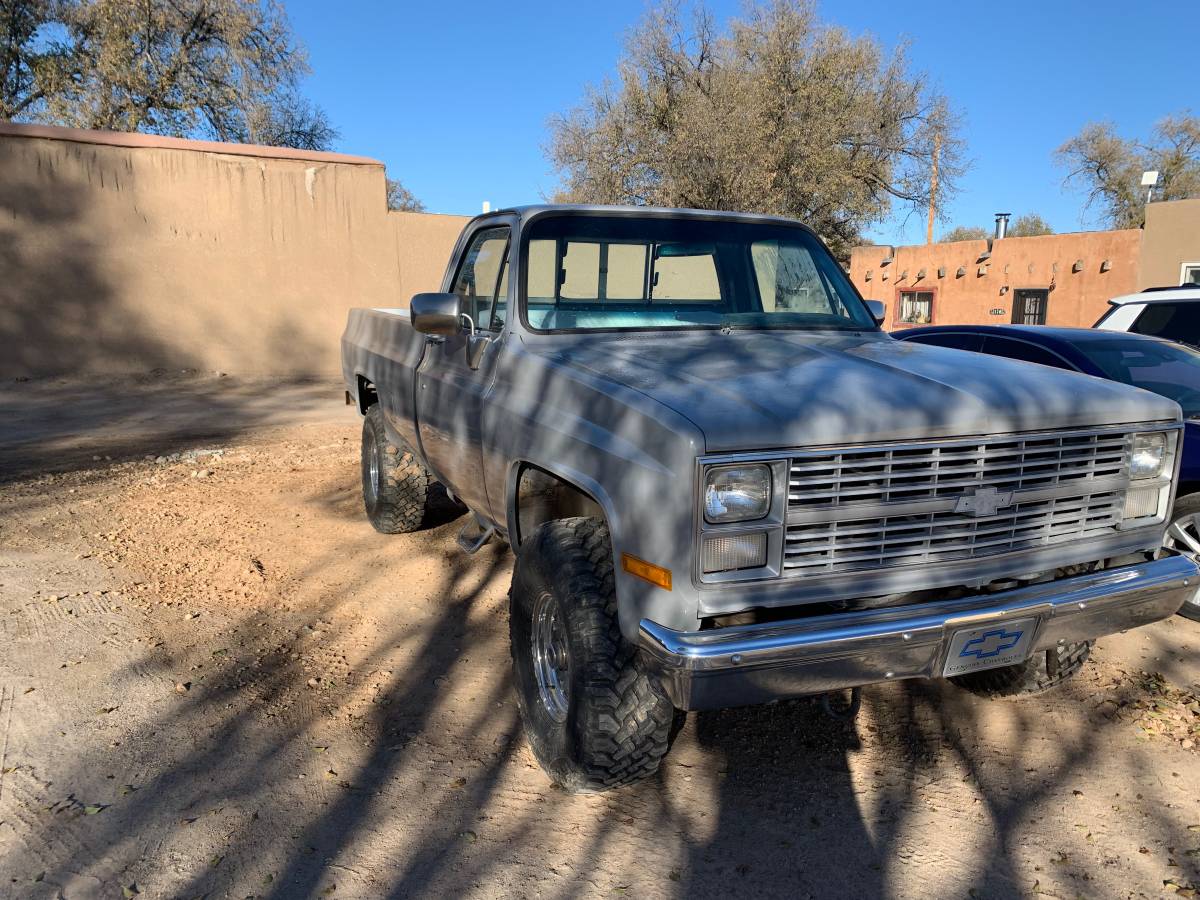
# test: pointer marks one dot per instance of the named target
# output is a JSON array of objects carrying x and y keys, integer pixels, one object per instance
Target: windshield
[
  {"x": 1164, "y": 368},
  {"x": 608, "y": 272}
]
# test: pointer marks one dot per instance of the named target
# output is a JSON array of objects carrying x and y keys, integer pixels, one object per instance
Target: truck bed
[{"x": 381, "y": 346}]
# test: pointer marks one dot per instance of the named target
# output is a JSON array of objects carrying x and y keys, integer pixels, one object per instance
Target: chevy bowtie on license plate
[{"x": 989, "y": 647}]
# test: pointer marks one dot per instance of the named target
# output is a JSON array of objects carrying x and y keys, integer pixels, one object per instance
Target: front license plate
[{"x": 990, "y": 647}]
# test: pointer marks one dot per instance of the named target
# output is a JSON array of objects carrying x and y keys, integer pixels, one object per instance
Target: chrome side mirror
[
  {"x": 435, "y": 313},
  {"x": 878, "y": 310}
]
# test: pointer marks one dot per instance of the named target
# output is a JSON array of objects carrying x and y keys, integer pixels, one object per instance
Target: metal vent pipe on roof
[{"x": 1002, "y": 225}]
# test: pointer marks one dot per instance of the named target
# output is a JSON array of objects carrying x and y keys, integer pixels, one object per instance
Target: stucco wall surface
[
  {"x": 131, "y": 253},
  {"x": 1172, "y": 240}
]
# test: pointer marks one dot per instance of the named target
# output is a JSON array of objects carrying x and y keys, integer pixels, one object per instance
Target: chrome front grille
[
  {"x": 874, "y": 507},
  {"x": 884, "y": 475}
]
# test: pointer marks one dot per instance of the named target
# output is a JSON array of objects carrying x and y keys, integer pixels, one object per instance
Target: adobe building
[{"x": 1056, "y": 279}]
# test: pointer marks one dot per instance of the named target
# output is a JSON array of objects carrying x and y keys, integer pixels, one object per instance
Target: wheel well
[
  {"x": 367, "y": 395},
  {"x": 543, "y": 497}
]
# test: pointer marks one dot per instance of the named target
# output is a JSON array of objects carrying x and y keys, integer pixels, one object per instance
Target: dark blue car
[{"x": 1169, "y": 369}]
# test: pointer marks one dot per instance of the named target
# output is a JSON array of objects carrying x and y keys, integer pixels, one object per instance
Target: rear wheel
[
  {"x": 594, "y": 719},
  {"x": 396, "y": 488},
  {"x": 1183, "y": 534},
  {"x": 1040, "y": 672}
]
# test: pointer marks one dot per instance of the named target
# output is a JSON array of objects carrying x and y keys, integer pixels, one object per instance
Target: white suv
[{"x": 1171, "y": 313}]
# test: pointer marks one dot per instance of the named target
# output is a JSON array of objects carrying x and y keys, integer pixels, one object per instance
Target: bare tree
[
  {"x": 776, "y": 113},
  {"x": 401, "y": 198},
  {"x": 226, "y": 69},
  {"x": 1110, "y": 167},
  {"x": 966, "y": 233}
]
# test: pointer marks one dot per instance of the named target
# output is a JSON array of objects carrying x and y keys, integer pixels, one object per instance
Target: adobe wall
[
  {"x": 970, "y": 289},
  {"x": 123, "y": 253}
]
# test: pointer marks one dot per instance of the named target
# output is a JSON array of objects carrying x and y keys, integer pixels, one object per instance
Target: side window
[
  {"x": 1174, "y": 321},
  {"x": 1023, "y": 351},
  {"x": 789, "y": 280},
  {"x": 482, "y": 279}
]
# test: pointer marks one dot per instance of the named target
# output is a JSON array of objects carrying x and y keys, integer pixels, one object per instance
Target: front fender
[{"x": 634, "y": 457}]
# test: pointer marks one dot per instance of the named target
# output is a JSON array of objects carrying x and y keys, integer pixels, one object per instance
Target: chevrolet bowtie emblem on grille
[{"x": 984, "y": 501}]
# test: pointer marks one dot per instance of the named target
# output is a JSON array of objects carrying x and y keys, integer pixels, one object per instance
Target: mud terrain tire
[
  {"x": 594, "y": 718},
  {"x": 396, "y": 488}
]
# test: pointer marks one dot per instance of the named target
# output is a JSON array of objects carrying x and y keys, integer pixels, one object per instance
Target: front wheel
[
  {"x": 1183, "y": 534},
  {"x": 594, "y": 719}
]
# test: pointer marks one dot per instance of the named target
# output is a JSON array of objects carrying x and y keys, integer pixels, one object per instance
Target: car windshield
[
  {"x": 1159, "y": 366},
  {"x": 638, "y": 272}
]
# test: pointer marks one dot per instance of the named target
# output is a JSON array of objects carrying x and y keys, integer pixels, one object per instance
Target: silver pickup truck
[{"x": 725, "y": 485}]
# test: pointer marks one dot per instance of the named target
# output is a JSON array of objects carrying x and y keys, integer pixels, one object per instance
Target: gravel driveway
[{"x": 217, "y": 681}]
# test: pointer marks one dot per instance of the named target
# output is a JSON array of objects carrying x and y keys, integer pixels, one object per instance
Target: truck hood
[{"x": 762, "y": 390}]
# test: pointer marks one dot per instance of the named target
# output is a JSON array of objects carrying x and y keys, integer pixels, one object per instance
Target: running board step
[{"x": 474, "y": 535}]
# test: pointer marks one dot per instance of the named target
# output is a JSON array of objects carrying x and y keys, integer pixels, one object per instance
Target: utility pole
[{"x": 933, "y": 175}]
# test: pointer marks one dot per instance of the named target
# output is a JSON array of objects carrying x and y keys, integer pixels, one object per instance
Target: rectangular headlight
[
  {"x": 737, "y": 551},
  {"x": 737, "y": 493},
  {"x": 1149, "y": 455}
]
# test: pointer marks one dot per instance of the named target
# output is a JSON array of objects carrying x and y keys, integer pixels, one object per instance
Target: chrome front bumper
[{"x": 747, "y": 664}]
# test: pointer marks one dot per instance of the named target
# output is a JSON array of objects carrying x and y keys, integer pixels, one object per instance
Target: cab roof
[
  {"x": 535, "y": 210},
  {"x": 1159, "y": 295}
]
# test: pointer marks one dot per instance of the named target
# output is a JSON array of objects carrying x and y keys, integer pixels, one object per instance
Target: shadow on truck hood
[{"x": 761, "y": 390}]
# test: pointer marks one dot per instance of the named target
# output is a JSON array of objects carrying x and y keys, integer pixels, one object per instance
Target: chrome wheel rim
[
  {"x": 551, "y": 658},
  {"x": 1183, "y": 535},
  {"x": 371, "y": 452}
]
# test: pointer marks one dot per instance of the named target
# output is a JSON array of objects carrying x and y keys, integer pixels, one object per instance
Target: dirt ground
[{"x": 217, "y": 681}]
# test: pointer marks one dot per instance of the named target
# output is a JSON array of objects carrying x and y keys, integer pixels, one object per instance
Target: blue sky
[{"x": 455, "y": 98}]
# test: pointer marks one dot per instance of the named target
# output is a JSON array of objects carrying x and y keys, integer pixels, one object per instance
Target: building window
[
  {"x": 916, "y": 308},
  {"x": 1190, "y": 273}
]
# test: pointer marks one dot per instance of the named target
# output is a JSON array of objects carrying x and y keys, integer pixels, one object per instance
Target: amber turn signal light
[{"x": 656, "y": 575}]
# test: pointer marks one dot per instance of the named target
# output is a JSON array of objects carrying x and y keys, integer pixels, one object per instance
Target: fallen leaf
[
  {"x": 469, "y": 836},
  {"x": 30, "y": 690},
  {"x": 127, "y": 789},
  {"x": 320, "y": 749},
  {"x": 131, "y": 890},
  {"x": 220, "y": 652},
  {"x": 108, "y": 709},
  {"x": 92, "y": 810},
  {"x": 216, "y": 860},
  {"x": 458, "y": 782}
]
